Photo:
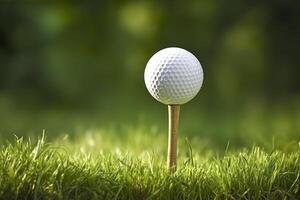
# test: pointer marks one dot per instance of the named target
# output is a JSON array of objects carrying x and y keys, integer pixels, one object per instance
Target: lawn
[
  {"x": 88, "y": 169},
  {"x": 220, "y": 156}
]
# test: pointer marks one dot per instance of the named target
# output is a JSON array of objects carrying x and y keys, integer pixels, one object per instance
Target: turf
[{"x": 86, "y": 169}]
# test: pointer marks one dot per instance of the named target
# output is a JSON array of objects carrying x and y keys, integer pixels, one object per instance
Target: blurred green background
[{"x": 72, "y": 67}]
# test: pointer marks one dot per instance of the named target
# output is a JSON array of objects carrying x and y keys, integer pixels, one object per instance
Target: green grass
[
  {"x": 249, "y": 153},
  {"x": 90, "y": 168}
]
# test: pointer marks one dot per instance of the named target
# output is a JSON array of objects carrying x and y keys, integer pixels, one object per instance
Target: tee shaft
[{"x": 173, "y": 111}]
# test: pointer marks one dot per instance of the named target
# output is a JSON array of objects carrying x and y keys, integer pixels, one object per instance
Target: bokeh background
[{"x": 70, "y": 67}]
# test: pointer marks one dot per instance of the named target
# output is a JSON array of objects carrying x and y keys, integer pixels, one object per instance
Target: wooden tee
[{"x": 173, "y": 111}]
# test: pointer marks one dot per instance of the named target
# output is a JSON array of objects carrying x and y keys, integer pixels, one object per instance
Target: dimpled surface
[{"x": 173, "y": 76}]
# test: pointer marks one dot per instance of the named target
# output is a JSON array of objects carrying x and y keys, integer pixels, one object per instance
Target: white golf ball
[{"x": 173, "y": 76}]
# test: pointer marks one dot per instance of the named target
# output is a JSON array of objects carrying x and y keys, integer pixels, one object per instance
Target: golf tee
[{"x": 173, "y": 111}]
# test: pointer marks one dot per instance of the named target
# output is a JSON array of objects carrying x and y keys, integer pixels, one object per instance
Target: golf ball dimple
[{"x": 173, "y": 76}]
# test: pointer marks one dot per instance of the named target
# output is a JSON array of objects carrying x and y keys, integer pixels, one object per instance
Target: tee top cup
[{"x": 173, "y": 76}]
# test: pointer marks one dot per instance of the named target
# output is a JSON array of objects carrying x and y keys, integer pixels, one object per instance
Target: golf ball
[{"x": 173, "y": 76}]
